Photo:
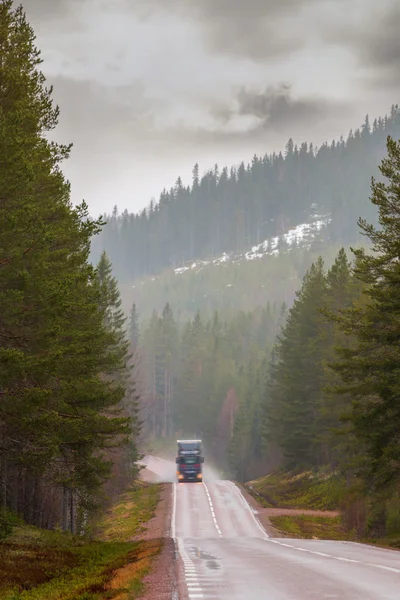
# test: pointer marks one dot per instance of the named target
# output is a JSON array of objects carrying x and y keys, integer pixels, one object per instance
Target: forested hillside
[
  {"x": 227, "y": 286},
  {"x": 312, "y": 388},
  {"x": 231, "y": 210},
  {"x": 65, "y": 383},
  {"x": 331, "y": 397}
]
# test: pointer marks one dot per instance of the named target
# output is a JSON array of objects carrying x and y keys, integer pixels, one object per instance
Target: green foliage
[
  {"x": 130, "y": 514},
  {"x": 393, "y": 517},
  {"x": 345, "y": 417},
  {"x": 301, "y": 418},
  {"x": 8, "y": 521},
  {"x": 54, "y": 565},
  {"x": 134, "y": 332},
  {"x": 370, "y": 369},
  {"x": 311, "y": 527},
  {"x": 315, "y": 490},
  {"x": 194, "y": 377},
  {"x": 57, "y": 353},
  {"x": 297, "y": 374}
]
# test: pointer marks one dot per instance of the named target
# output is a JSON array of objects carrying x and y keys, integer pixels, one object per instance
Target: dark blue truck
[{"x": 189, "y": 460}]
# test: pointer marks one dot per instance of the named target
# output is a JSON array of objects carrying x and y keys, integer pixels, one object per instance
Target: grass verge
[
  {"x": 307, "y": 490},
  {"x": 310, "y": 527},
  {"x": 327, "y": 528},
  {"x": 128, "y": 518},
  {"x": 53, "y": 565}
]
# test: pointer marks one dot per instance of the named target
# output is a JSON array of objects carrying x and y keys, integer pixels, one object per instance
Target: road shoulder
[
  {"x": 162, "y": 580},
  {"x": 259, "y": 512}
]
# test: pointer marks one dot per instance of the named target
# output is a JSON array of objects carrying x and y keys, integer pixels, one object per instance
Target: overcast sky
[{"x": 147, "y": 88}]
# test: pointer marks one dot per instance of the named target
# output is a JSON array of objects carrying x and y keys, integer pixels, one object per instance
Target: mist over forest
[{"x": 256, "y": 308}]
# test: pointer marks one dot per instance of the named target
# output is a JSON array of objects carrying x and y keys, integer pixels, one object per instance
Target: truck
[{"x": 189, "y": 460}]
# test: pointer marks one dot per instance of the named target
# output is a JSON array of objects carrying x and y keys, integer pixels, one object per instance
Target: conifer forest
[{"x": 295, "y": 365}]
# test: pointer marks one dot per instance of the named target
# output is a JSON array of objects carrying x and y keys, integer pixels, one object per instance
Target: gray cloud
[
  {"x": 381, "y": 48},
  {"x": 49, "y": 9},
  {"x": 275, "y": 108},
  {"x": 374, "y": 39},
  {"x": 147, "y": 88},
  {"x": 256, "y": 29}
]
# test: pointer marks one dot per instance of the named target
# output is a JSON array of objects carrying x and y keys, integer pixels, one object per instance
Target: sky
[{"x": 148, "y": 88}]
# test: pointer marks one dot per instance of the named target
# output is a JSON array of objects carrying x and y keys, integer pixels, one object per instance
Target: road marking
[
  {"x": 192, "y": 583},
  {"x": 212, "y": 510},
  {"x": 341, "y": 558},
  {"x": 257, "y": 522}
]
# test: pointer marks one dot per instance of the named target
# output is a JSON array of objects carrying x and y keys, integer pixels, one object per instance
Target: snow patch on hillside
[{"x": 301, "y": 235}]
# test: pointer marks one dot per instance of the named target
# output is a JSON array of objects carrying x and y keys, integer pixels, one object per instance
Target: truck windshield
[
  {"x": 189, "y": 460},
  {"x": 189, "y": 446}
]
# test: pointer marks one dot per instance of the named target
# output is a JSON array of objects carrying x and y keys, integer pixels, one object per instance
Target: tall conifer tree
[{"x": 370, "y": 370}]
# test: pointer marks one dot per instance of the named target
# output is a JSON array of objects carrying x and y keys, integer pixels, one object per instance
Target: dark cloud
[
  {"x": 275, "y": 108},
  {"x": 48, "y": 9},
  {"x": 375, "y": 41},
  {"x": 381, "y": 48},
  {"x": 257, "y": 29},
  {"x": 179, "y": 62},
  {"x": 100, "y": 113}
]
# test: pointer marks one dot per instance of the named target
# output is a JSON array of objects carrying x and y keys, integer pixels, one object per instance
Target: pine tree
[
  {"x": 343, "y": 289},
  {"x": 370, "y": 370},
  {"x": 115, "y": 322},
  {"x": 134, "y": 333},
  {"x": 296, "y": 379},
  {"x": 114, "y": 319},
  {"x": 56, "y": 418}
]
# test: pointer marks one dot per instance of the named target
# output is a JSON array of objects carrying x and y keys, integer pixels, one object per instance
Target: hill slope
[
  {"x": 270, "y": 272},
  {"x": 231, "y": 210}
]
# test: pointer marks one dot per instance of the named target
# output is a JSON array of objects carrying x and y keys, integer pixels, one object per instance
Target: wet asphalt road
[{"x": 225, "y": 553}]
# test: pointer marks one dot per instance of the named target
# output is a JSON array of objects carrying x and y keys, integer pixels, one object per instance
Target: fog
[{"x": 165, "y": 470}]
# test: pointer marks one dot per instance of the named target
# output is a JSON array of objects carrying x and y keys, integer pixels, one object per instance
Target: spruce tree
[
  {"x": 134, "y": 332},
  {"x": 343, "y": 289},
  {"x": 115, "y": 322},
  {"x": 56, "y": 416},
  {"x": 370, "y": 370},
  {"x": 295, "y": 388}
]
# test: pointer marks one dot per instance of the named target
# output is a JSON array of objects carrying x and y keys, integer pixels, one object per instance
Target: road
[{"x": 225, "y": 553}]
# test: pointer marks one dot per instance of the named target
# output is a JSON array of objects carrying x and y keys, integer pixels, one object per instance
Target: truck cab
[{"x": 189, "y": 460}]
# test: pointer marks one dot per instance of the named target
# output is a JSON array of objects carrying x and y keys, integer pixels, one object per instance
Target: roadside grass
[
  {"x": 52, "y": 565},
  {"x": 129, "y": 516},
  {"x": 310, "y": 527},
  {"x": 314, "y": 490},
  {"x": 127, "y": 582},
  {"x": 390, "y": 541},
  {"x": 327, "y": 528},
  {"x": 323, "y": 490}
]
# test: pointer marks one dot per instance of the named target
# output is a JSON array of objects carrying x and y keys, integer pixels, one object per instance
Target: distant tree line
[
  {"x": 228, "y": 210},
  {"x": 190, "y": 375},
  {"x": 66, "y": 397}
]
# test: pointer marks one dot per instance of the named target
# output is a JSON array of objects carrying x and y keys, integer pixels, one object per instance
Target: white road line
[
  {"x": 212, "y": 510},
  {"x": 341, "y": 558},
  {"x": 192, "y": 583},
  {"x": 257, "y": 522}
]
